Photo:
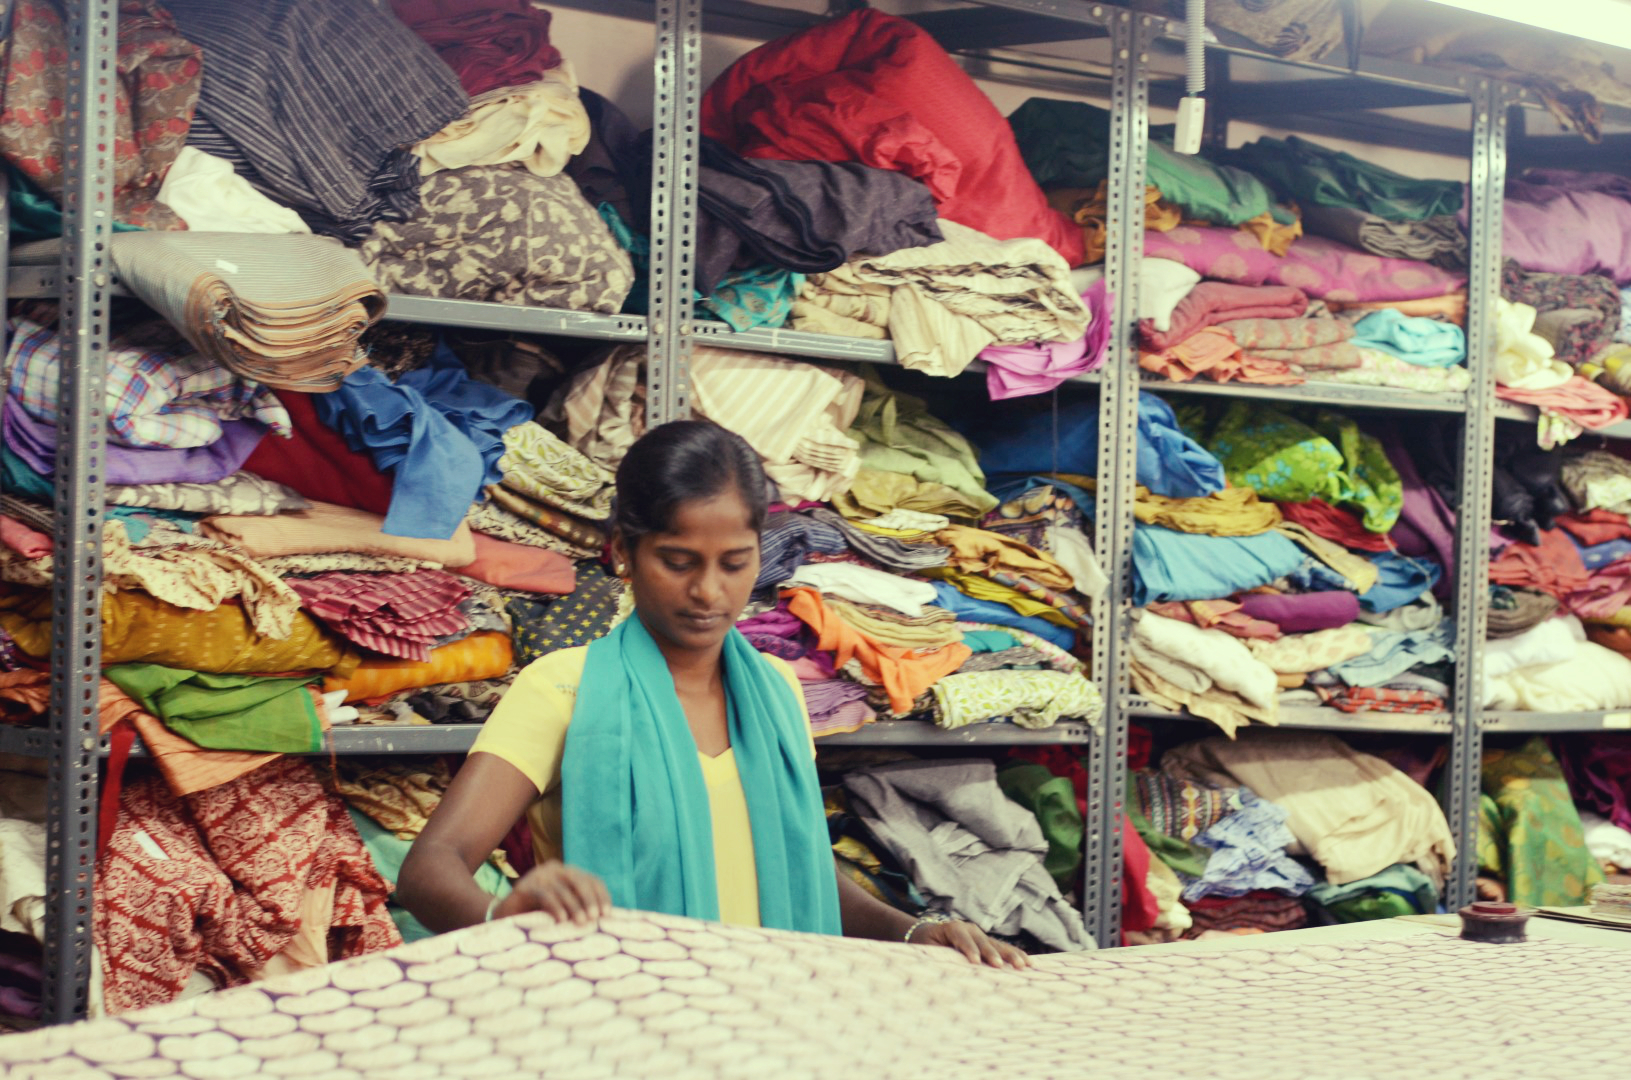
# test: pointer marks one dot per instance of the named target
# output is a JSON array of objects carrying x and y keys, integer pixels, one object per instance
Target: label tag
[{"x": 222, "y": 264}]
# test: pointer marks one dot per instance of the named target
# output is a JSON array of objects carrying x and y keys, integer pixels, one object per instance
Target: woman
[{"x": 674, "y": 762}]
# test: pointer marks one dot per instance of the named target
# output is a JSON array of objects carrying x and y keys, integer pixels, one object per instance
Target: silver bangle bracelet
[
  {"x": 928, "y": 918},
  {"x": 492, "y": 905}
]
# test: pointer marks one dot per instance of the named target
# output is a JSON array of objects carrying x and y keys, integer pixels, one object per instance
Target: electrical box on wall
[{"x": 1191, "y": 125}]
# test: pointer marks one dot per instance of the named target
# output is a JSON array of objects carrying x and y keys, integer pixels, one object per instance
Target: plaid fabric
[
  {"x": 1354, "y": 699},
  {"x": 160, "y": 391},
  {"x": 401, "y": 615}
]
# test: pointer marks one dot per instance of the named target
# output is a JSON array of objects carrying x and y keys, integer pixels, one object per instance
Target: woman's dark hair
[{"x": 680, "y": 461}]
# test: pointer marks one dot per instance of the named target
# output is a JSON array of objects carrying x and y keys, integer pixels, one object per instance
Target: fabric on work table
[
  {"x": 326, "y": 528},
  {"x": 1425, "y": 342},
  {"x": 1333, "y": 523},
  {"x": 970, "y": 850},
  {"x": 398, "y": 615},
  {"x": 1214, "y": 302},
  {"x": 1036, "y": 367},
  {"x": 1301, "y": 613},
  {"x": 542, "y": 467},
  {"x": 1540, "y": 840},
  {"x": 240, "y": 493},
  {"x": 628, "y": 745},
  {"x": 155, "y": 88},
  {"x": 1314, "y": 175},
  {"x": 1440, "y": 239},
  {"x": 1578, "y": 315},
  {"x": 1553, "y": 567},
  {"x": 942, "y": 304},
  {"x": 437, "y": 432},
  {"x": 1512, "y": 611},
  {"x": 1066, "y": 144},
  {"x": 1301, "y": 653},
  {"x": 1248, "y": 849},
  {"x": 977, "y": 551},
  {"x": 1172, "y": 565},
  {"x": 1197, "y": 659},
  {"x": 903, "y": 674},
  {"x": 160, "y": 393},
  {"x": 1169, "y": 462},
  {"x": 210, "y": 197},
  {"x": 1598, "y": 480},
  {"x": 1225, "y": 615},
  {"x": 794, "y": 414},
  {"x": 538, "y": 125},
  {"x": 1030, "y": 699},
  {"x": 226, "y": 712},
  {"x": 1289, "y": 461},
  {"x": 584, "y": 615},
  {"x": 285, "y": 311},
  {"x": 502, "y": 235},
  {"x": 488, "y": 43},
  {"x": 877, "y": 89},
  {"x": 1230, "y": 512},
  {"x": 1353, "y": 813},
  {"x": 1393, "y": 653},
  {"x": 33, "y": 445},
  {"x": 234, "y": 868},
  {"x": 138, "y": 628},
  {"x": 1324, "y": 269},
  {"x": 1214, "y": 353},
  {"x": 970, "y": 608},
  {"x": 486, "y": 655},
  {"x": 296, "y": 107}
]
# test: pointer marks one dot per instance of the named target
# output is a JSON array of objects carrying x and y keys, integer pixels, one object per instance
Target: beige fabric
[
  {"x": 539, "y": 126},
  {"x": 1354, "y": 813},
  {"x": 1362, "y": 572},
  {"x": 942, "y": 303},
  {"x": 327, "y": 528},
  {"x": 1228, "y": 710},
  {"x": 1298, "y": 654},
  {"x": 542, "y": 467}
]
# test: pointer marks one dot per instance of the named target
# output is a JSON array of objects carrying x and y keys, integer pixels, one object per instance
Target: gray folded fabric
[
  {"x": 969, "y": 849},
  {"x": 1437, "y": 240},
  {"x": 894, "y": 555}
]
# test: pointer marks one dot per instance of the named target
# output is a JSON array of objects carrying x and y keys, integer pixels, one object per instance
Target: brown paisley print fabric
[
  {"x": 501, "y": 234},
  {"x": 159, "y": 76}
]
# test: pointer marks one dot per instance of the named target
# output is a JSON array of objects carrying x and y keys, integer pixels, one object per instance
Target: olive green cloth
[{"x": 1053, "y": 801}]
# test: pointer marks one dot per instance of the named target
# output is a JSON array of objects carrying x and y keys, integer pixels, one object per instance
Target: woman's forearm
[
  {"x": 437, "y": 887},
  {"x": 865, "y": 916}
]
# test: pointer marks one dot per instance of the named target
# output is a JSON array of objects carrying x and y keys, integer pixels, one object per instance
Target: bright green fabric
[
  {"x": 1053, "y": 801},
  {"x": 226, "y": 712},
  {"x": 1286, "y": 460},
  {"x": 1316, "y": 176},
  {"x": 897, "y": 435},
  {"x": 634, "y": 805},
  {"x": 1531, "y": 830},
  {"x": 388, "y": 853},
  {"x": 1401, "y": 889}
]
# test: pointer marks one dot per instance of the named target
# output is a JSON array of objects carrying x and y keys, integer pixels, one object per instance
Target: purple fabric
[
  {"x": 1018, "y": 370},
  {"x": 826, "y": 697},
  {"x": 777, "y": 622},
  {"x": 1319, "y": 266},
  {"x": 1302, "y": 613},
  {"x": 1598, "y": 768},
  {"x": 1569, "y": 223},
  {"x": 1426, "y": 524},
  {"x": 36, "y": 444}
]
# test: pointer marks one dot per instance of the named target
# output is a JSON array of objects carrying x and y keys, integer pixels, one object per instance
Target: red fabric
[
  {"x": 516, "y": 566},
  {"x": 489, "y": 43},
  {"x": 877, "y": 89},
  {"x": 1596, "y": 526},
  {"x": 1139, "y": 907},
  {"x": 120, "y": 743},
  {"x": 1213, "y": 302},
  {"x": 1554, "y": 567},
  {"x": 25, "y": 541},
  {"x": 1140, "y": 745},
  {"x": 316, "y": 462},
  {"x": 1334, "y": 523}
]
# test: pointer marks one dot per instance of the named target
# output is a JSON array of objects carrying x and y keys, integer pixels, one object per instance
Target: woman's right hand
[{"x": 565, "y": 892}]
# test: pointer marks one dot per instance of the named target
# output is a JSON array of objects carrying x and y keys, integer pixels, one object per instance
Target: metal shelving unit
[
  {"x": 1320, "y": 718},
  {"x": 1317, "y": 393}
]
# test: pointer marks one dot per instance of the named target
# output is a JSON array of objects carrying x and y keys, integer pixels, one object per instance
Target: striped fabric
[
  {"x": 400, "y": 615},
  {"x": 313, "y": 102}
]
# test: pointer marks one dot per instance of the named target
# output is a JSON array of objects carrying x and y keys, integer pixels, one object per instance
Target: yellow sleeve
[
  {"x": 528, "y": 728},
  {"x": 785, "y": 670}
]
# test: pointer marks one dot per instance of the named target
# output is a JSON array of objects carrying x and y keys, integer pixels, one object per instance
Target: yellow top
[{"x": 528, "y": 730}]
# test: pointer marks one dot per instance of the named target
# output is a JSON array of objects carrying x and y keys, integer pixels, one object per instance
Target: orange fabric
[
  {"x": 1275, "y": 237},
  {"x": 187, "y": 767},
  {"x": 486, "y": 655},
  {"x": 1090, "y": 209},
  {"x": 902, "y": 673},
  {"x": 1213, "y": 352},
  {"x": 517, "y": 566},
  {"x": 1451, "y": 308}
]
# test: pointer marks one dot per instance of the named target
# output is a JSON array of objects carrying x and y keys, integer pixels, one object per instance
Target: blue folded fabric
[
  {"x": 1172, "y": 565},
  {"x": 786, "y": 541},
  {"x": 1249, "y": 853},
  {"x": 1169, "y": 462},
  {"x": 968, "y": 609},
  {"x": 1395, "y": 652},
  {"x": 1423, "y": 342},
  {"x": 1597, "y": 556},
  {"x": 436, "y": 431},
  {"x": 1403, "y": 580}
]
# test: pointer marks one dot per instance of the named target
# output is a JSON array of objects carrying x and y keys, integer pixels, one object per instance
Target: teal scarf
[{"x": 634, "y": 803}]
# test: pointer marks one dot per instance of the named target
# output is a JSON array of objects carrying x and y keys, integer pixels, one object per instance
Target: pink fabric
[
  {"x": 27, "y": 542},
  {"x": 1580, "y": 400},
  {"x": 1213, "y": 302},
  {"x": 517, "y": 566},
  {"x": 1568, "y": 223},
  {"x": 1018, "y": 370},
  {"x": 1321, "y": 267},
  {"x": 1608, "y": 591}
]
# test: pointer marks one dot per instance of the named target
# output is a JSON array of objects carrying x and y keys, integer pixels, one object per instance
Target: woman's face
[{"x": 692, "y": 582}]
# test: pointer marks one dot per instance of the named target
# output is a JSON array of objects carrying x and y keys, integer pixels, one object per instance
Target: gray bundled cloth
[
  {"x": 1437, "y": 240},
  {"x": 969, "y": 849}
]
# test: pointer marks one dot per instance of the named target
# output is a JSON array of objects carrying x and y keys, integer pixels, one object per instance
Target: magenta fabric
[
  {"x": 488, "y": 43},
  {"x": 1321, "y": 267},
  {"x": 36, "y": 444},
  {"x": 1598, "y": 768},
  {"x": 1561, "y": 222},
  {"x": 1605, "y": 594},
  {"x": 1302, "y": 613},
  {"x": 1426, "y": 525},
  {"x": 1019, "y": 370}
]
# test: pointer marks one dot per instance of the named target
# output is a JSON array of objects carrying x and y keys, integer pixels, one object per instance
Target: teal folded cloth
[
  {"x": 1313, "y": 175},
  {"x": 1401, "y": 889},
  {"x": 1423, "y": 342},
  {"x": 629, "y": 748}
]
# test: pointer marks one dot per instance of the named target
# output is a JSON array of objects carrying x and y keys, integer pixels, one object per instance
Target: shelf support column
[
  {"x": 76, "y": 588},
  {"x": 676, "y": 100},
  {"x": 1118, "y": 423},
  {"x": 1490, "y": 103}
]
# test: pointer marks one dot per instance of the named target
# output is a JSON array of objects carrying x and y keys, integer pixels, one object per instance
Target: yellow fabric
[
  {"x": 1090, "y": 209},
  {"x": 486, "y": 655},
  {"x": 977, "y": 551},
  {"x": 1621, "y": 617},
  {"x": 1275, "y": 237},
  {"x": 1362, "y": 572},
  {"x": 528, "y": 730},
  {"x": 983, "y": 588},
  {"x": 1231, "y": 512},
  {"x": 876, "y": 492},
  {"x": 142, "y": 629},
  {"x": 935, "y": 629}
]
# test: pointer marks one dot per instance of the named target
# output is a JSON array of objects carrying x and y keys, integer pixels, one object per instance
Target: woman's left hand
[{"x": 973, "y": 943}]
